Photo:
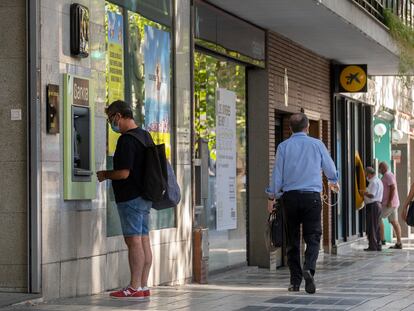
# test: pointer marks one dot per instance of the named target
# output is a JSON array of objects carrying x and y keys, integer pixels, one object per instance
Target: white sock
[{"x": 145, "y": 288}]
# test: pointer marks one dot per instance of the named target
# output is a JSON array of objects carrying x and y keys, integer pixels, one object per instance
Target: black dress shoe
[
  {"x": 396, "y": 246},
  {"x": 293, "y": 288},
  {"x": 309, "y": 282},
  {"x": 369, "y": 249}
]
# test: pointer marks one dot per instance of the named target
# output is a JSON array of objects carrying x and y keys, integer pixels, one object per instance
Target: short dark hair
[
  {"x": 298, "y": 122},
  {"x": 121, "y": 107}
]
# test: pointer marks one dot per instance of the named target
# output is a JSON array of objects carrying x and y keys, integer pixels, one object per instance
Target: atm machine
[{"x": 79, "y": 140}]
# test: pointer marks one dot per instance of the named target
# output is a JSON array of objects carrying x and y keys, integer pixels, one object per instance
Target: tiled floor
[{"x": 355, "y": 280}]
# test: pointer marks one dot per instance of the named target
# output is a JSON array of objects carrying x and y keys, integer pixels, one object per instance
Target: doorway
[{"x": 314, "y": 130}]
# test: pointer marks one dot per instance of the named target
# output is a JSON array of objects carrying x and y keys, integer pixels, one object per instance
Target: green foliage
[
  {"x": 211, "y": 73},
  {"x": 404, "y": 37}
]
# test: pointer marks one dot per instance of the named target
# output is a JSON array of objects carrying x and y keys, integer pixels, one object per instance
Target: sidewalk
[{"x": 356, "y": 280}]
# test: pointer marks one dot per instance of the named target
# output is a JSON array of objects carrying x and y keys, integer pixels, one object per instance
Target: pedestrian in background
[
  {"x": 390, "y": 204},
  {"x": 373, "y": 198},
  {"x": 297, "y": 180}
]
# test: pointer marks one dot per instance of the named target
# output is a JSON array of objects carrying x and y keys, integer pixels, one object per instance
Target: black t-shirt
[{"x": 130, "y": 154}]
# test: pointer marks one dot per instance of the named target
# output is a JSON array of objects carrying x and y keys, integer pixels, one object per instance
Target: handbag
[
  {"x": 410, "y": 214},
  {"x": 274, "y": 228}
]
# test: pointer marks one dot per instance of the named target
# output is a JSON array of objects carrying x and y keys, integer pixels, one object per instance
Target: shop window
[
  {"x": 139, "y": 70},
  {"x": 156, "y": 10},
  {"x": 220, "y": 32},
  {"x": 221, "y": 177}
]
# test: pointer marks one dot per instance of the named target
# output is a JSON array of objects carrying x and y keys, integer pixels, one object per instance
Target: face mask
[{"x": 114, "y": 127}]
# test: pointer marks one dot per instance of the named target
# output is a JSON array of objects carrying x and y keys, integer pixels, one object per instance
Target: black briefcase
[
  {"x": 410, "y": 214},
  {"x": 276, "y": 226}
]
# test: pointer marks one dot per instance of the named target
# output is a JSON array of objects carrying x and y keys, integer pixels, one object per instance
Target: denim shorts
[{"x": 134, "y": 216}]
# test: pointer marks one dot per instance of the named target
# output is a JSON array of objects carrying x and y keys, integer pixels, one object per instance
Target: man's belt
[{"x": 301, "y": 192}]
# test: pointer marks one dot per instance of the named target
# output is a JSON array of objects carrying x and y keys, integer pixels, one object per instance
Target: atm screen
[{"x": 81, "y": 141}]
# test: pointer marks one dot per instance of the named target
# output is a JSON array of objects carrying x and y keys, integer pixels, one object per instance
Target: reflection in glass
[
  {"x": 227, "y": 247},
  {"x": 135, "y": 94},
  {"x": 113, "y": 224},
  {"x": 137, "y": 42}
]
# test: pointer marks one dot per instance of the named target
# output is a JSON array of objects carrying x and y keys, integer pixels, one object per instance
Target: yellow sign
[
  {"x": 116, "y": 72},
  {"x": 115, "y": 69},
  {"x": 353, "y": 78}
]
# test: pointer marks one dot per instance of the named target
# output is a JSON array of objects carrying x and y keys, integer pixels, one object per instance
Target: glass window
[
  {"x": 156, "y": 10},
  {"x": 227, "y": 246},
  {"x": 220, "y": 32},
  {"x": 139, "y": 70},
  {"x": 339, "y": 164},
  {"x": 115, "y": 87},
  {"x": 149, "y": 89}
]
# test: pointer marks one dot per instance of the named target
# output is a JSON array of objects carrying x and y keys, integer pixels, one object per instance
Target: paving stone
[
  {"x": 251, "y": 308},
  {"x": 350, "y": 302},
  {"x": 283, "y": 299},
  {"x": 304, "y": 300},
  {"x": 350, "y": 281}
]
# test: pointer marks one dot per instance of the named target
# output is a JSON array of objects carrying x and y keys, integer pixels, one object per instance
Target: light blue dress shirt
[{"x": 298, "y": 165}]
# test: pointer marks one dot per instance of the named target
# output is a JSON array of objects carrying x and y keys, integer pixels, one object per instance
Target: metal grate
[{"x": 404, "y": 9}]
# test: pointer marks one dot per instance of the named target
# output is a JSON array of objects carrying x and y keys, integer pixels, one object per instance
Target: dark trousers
[
  {"x": 373, "y": 228},
  {"x": 302, "y": 208}
]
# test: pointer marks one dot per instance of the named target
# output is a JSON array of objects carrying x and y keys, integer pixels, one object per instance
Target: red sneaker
[
  {"x": 146, "y": 293},
  {"x": 128, "y": 293}
]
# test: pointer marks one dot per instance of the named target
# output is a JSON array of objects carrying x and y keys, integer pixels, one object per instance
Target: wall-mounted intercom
[
  {"x": 52, "y": 109},
  {"x": 79, "y": 157}
]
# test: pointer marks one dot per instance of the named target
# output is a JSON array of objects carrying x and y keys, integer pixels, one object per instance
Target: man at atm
[{"x": 128, "y": 184}]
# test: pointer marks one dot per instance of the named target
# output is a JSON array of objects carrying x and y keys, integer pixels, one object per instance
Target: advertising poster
[
  {"x": 115, "y": 68},
  {"x": 226, "y": 159},
  {"x": 157, "y": 86}
]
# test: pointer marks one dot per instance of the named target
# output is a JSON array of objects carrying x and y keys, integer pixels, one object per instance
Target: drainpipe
[{"x": 33, "y": 147}]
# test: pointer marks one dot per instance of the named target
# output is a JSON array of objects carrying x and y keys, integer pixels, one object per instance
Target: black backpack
[
  {"x": 410, "y": 214},
  {"x": 155, "y": 170},
  {"x": 161, "y": 185}
]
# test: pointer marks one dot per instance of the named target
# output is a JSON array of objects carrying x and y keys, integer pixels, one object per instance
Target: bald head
[
  {"x": 383, "y": 167},
  {"x": 298, "y": 122}
]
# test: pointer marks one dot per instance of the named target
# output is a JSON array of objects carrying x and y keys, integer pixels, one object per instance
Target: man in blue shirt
[{"x": 297, "y": 181}]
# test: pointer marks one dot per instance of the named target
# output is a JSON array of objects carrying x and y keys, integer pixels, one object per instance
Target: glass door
[
  {"x": 220, "y": 172},
  {"x": 340, "y": 159}
]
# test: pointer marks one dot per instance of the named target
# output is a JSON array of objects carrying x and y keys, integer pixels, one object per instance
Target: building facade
[{"x": 216, "y": 82}]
